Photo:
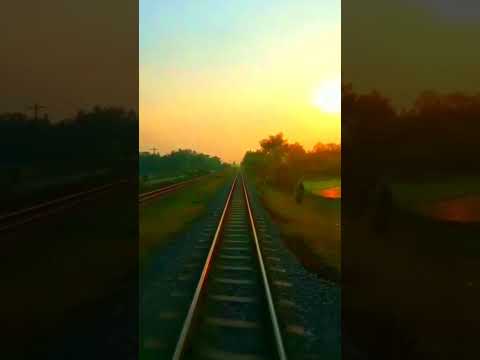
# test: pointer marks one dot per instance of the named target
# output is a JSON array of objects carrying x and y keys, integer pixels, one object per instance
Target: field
[
  {"x": 311, "y": 229},
  {"x": 452, "y": 199},
  {"x": 162, "y": 218},
  {"x": 417, "y": 282},
  {"x": 410, "y": 194},
  {"x": 316, "y": 185}
]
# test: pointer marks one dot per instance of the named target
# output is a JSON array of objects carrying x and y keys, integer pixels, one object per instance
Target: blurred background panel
[
  {"x": 68, "y": 56},
  {"x": 410, "y": 174},
  {"x": 68, "y": 178}
]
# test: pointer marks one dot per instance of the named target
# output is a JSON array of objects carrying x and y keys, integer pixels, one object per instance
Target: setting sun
[
  {"x": 328, "y": 97},
  {"x": 255, "y": 75}
]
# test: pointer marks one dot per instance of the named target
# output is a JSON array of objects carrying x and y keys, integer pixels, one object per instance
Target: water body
[
  {"x": 330, "y": 193},
  {"x": 465, "y": 209}
]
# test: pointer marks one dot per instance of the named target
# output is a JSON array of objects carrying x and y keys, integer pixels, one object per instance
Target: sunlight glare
[{"x": 328, "y": 97}]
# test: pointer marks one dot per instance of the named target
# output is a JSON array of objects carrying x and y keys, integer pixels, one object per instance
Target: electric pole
[{"x": 36, "y": 109}]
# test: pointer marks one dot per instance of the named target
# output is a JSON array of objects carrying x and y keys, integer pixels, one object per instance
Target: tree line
[
  {"x": 438, "y": 134},
  {"x": 103, "y": 137},
  {"x": 283, "y": 164},
  {"x": 182, "y": 162},
  {"x": 436, "y": 137}
]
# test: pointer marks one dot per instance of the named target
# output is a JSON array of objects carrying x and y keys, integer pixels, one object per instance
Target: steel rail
[
  {"x": 32, "y": 213},
  {"x": 271, "y": 307},
  {"x": 143, "y": 197},
  {"x": 58, "y": 200},
  {"x": 187, "y": 325},
  {"x": 159, "y": 192}
]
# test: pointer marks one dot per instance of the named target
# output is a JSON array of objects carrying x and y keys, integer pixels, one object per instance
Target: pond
[
  {"x": 331, "y": 193},
  {"x": 464, "y": 209},
  {"x": 328, "y": 188}
]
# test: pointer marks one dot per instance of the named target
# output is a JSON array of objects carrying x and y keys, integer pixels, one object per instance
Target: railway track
[
  {"x": 150, "y": 195},
  {"x": 14, "y": 219},
  {"x": 232, "y": 312},
  {"x": 27, "y": 215}
]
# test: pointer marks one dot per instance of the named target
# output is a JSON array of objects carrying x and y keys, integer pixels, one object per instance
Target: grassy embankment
[
  {"x": 161, "y": 219},
  {"x": 68, "y": 262},
  {"x": 315, "y": 186},
  {"x": 413, "y": 194},
  {"x": 310, "y": 229},
  {"x": 153, "y": 183},
  {"x": 419, "y": 281}
]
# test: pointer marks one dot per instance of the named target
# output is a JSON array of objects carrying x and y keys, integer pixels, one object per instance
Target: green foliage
[
  {"x": 311, "y": 229},
  {"x": 282, "y": 164},
  {"x": 411, "y": 195},
  {"x": 436, "y": 137},
  {"x": 178, "y": 163},
  {"x": 315, "y": 185},
  {"x": 160, "y": 219},
  {"x": 100, "y": 138}
]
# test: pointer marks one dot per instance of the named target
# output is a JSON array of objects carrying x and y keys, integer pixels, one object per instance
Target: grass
[
  {"x": 155, "y": 182},
  {"x": 314, "y": 186},
  {"x": 162, "y": 180},
  {"x": 161, "y": 219},
  {"x": 311, "y": 229},
  {"x": 416, "y": 285},
  {"x": 414, "y": 193},
  {"x": 62, "y": 264}
]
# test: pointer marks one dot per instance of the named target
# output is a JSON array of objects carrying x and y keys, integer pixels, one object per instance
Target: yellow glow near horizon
[
  {"x": 222, "y": 98},
  {"x": 328, "y": 97}
]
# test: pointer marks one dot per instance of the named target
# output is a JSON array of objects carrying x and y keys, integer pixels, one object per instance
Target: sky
[
  {"x": 217, "y": 76},
  {"x": 403, "y": 47},
  {"x": 68, "y": 55}
]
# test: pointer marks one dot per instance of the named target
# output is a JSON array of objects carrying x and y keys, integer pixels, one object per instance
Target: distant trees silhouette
[
  {"x": 283, "y": 164},
  {"x": 104, "y": 137},
  {"x": 178, "y": 163},
  {"x": 437, "y": 136}
]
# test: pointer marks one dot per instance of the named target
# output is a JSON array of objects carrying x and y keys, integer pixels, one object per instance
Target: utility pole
[
  {"x": 36, "y": 108},
  {"x": 154, "y": 149}
]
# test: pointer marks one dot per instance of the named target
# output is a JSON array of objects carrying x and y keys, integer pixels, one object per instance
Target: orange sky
[
  {"x": 422, "y": 45},
  {"x": 219, "y": 84}
]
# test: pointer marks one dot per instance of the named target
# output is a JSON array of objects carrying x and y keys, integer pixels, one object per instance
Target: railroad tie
[
  {"x": 273, "y": 258},
  {"x": 216, "y": 354},
  {"x": 296, "y": 330},
  {"x": 237, "y": 268},
  {"x": 231, "y": 323},
  {"x": 153, "y": 344},
  {"x": 270, "y": 249},
  {"x": 237, "y": 248},
  {"x": 235, "y": 257},
  {"x": 235, "y": 241},
  {"x": 168, "y": 315},
  {"x": 286, "y": 303},
  {"x": 282, "y": 283},
  {"x": 233, "y": 281},
  {"x": 236, "y": 299}
]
